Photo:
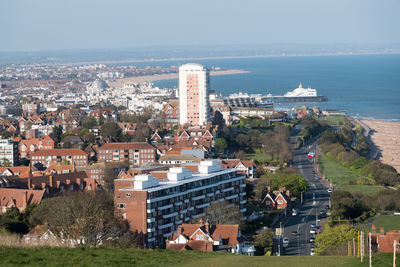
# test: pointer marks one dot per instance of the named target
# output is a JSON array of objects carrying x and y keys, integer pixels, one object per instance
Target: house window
[
  {"x": 199, "y": 237},
  {"x": 121, "y": 205},
  {"x": 280, "y": 202},
  {"x": 71, "y": 187},
  {"x": 61, "y": 188},
  {"x": 268, "y": 202},
  {"x": 123, "y": 215},
  {"x": 128, "y": 194}
]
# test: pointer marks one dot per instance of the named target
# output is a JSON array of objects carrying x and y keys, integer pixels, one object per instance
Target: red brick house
[
  {"x": 27, "y": 147},
  {"x": 171, "y": 112},
  {"x": 279, "y": 199},
  {"x": 66, "y": 156},
  {"x": 383, "y": 242},
  {"x": 137, "y": 153},
  {"x": 207, "y": 237},
  {"x": 18, "y": 198}
]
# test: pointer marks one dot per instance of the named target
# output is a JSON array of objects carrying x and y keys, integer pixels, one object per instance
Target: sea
[{"x": 365, "y": 86}]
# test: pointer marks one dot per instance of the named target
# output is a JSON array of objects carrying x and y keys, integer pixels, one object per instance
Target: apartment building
[
  {"x": 137, "y": 153},
  {"x": 157, "y": 206},
  {"x": 8, "y": 152},
  {"x": 66, "y": 156}
]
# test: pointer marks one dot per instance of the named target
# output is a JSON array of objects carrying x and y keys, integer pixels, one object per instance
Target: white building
[
  {"x": 193, "y": 95},
  {"x": 8, "y": 152}
]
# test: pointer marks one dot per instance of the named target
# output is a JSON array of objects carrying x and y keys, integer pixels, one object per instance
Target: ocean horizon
[{"x": 365, "y": 86}]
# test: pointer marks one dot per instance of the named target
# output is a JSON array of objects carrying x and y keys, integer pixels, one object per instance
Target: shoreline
[
  {"x": 168, "y": 76},
  {"x": 386, "y": 138}
]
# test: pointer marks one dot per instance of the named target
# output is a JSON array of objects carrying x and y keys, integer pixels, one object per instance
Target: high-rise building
[
  {"x": 193, "y": 95},
  {"x": 8, "y": 152}
]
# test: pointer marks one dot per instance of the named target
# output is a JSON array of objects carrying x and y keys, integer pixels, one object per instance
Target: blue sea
[{"x": 366, "y": 86}]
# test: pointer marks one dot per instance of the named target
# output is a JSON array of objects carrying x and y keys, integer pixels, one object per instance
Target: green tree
[
  {"x": 221, "y": 144},
  {"x": 5, "y": 162},
  {"x": 89, "y": 122},
  {"x": 110, "y": 129},
  {"x": 263, "y": 241},
  {"x": 332, "y": 237},
  {"x": 57, "y": 134}
]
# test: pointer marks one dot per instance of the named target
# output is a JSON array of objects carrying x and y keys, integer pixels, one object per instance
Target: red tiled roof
[
  {"x": 16, "y": 197},
  {"x": 133, "y": 145},
  {"x": 21, "y": 171},
  {"x": 59, "y": 152}
]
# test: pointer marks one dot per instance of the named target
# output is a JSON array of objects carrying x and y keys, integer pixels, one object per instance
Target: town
[{"x": 178, "y": 169}]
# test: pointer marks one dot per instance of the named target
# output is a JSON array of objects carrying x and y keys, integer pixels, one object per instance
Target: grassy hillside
[{"x": 46, "y": 256}]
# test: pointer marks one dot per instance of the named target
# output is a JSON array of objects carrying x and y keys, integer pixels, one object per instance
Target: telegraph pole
[{"x": 370, "y": 250}]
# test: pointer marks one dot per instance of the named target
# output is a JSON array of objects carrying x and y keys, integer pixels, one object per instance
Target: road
[{"x": 307, "y": 212}]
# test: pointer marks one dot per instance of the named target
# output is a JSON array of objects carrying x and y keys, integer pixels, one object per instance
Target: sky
[{"x": 27, "y": 25}]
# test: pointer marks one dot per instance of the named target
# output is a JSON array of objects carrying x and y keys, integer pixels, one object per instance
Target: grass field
[
  {"x": 389, "y": 222},
  {"x": 335, "y": 120},
  {"x": 341, "y": 176},
  {"x": 46, "y": 256},
  {"x": 259, "y": 156}
]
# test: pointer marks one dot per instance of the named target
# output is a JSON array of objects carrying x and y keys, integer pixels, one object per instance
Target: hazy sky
[{"x": 64, "y": 24}]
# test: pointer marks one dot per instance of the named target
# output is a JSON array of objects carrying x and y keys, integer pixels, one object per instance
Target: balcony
[
  {"x": 151, "y": 220},
  {"x": 243, "y": 201},
  {"x": 178, "y": 203},
  {"x": 186, "y": 200},
  {"x": 228, "y": 189},
  {"x": 166, "y": 235},
  {"x": 165, "y": 207},
  {"x": 203, "y": 205},
  {"x": 210, "y": 194},
  {"x": 191, "y": 208},
  {"x": 183, "y": 211},
  {"x": 198, "y": 197},
  {"x": 151, "y": 239},
  {"x": 242, "y": 194},
  {"x": 243, "y": 210},
  {"x": 242, "y": 185},
  {"x": 163, "y": 226},
  {"x": 178, "y": 222},
  {"x": 187, "y": 219},
  {"x": 166, "y": 216},
  {"x": 150, "y": 230},
  {"x": 231, "y": 197},
  {"x": 151, "y": 210}
]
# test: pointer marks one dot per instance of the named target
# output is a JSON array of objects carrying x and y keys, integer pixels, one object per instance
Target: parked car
[
  {"x": 329, "y": 190},
  {"x": 285, "y": 242},
  {"x": 312, "y": 239},
  {"x": 294, "y": 233},
  {"x": 327, "y": 206},
  {"x": 294, "y": 212},
  {"x": 313, "y": 225},
  {"x": 312, "y": 252},
  {"x": 312, "y": 231}
]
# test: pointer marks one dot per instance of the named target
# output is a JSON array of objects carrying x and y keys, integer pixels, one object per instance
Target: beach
[
  {"x": 386, "y": 136},
  {"x": 158, "y": 77}
]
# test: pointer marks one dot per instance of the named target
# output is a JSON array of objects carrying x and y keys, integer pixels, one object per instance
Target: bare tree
[{"x": 223, "y": 213}]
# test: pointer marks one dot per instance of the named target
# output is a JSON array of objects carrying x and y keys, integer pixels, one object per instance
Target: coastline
[
  {"x": 169, "y": 76},
  {"x": 385, "y": 135}
]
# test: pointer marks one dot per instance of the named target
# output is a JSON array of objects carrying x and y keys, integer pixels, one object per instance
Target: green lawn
[
  {"x": 341, "y": 176},
  {"x": 259, "y": 156},
  {"x": 389, "y": 222},
  {"x": 46, "y": 256},
  {"x": 335, "y": 120}
]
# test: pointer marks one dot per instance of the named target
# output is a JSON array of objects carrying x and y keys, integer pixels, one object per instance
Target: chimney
[
  {"x": 208, "y": 226},
  {"x": 51, "y": 180},
  {"x": 269, "y": 189},
  {"x": 201, "y": 221},
  {"x": 25, "y": 200},
  {"x": 373, "y": 229},
  {"x": 382, "y": 231}
]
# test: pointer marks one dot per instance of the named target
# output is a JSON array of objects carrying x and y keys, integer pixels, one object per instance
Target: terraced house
[{"x": 157, "y": 203}]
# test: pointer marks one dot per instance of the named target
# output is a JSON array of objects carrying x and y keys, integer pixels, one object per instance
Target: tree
[
  {"x": 240, "y": 154},
  {"x": 221, "y": 143},
  {"x": 264, "y": 241},
  {"x": 223, "y": 213},
  {"x": 242, "y": 140},
  {"x": 84, "y": 218},
  {"x": 5, "y": 162},
  {"x": 332, "y": 237},
  {"x": 89, "y": 122},
  {"x": 56, "y": 134},
  {"x": 110, "y": 129}
]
